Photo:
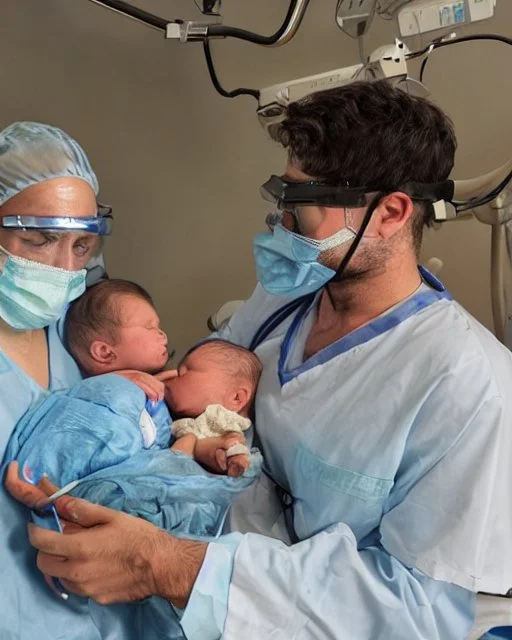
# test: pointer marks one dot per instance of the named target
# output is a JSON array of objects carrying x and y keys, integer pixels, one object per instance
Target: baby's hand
[
  {"x": 212, "y": 453},
  {"x": 168, "y": 374},
  {"x": 153, "y": 388}
]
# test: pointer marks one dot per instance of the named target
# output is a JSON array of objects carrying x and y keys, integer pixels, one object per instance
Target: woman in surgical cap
[{"x": 50, "y": 228}]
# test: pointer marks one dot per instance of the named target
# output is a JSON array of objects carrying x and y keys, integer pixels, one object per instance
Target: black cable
[
  {"x": 233, "y": 32},
  {"x": 445, "y": 43},
  {"x": 479, "y": 202},
  {"x": 215, "y": 81},
  {"x": 138, "y": 14},
  {"x": 374, "y": 203}
]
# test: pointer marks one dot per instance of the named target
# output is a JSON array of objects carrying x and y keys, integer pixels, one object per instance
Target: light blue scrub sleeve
[
  {"x": 207, "y": 607},
  {"x": 321, "y": 588}
]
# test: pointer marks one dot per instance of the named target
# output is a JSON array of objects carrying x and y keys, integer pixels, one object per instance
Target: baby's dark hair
[
  {"x": 235, "y": 360},
  {"x": 98, "y": 313}
]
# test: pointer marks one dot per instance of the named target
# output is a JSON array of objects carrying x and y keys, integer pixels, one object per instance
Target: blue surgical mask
[
  {"x": 33, "y": 295},
  {"x": 286, "y": 263}
]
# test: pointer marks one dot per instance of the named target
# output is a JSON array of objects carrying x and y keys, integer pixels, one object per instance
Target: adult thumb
[{"x": 83, "y": 513}]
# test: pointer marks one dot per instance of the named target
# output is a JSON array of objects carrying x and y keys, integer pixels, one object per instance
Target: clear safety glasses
[{"x": 100, "y": 224}]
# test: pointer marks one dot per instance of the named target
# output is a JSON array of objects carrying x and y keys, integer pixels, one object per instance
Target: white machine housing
[{"x": 388, "y": 61}]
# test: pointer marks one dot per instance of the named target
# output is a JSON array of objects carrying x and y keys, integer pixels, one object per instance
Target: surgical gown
[
  {"x": 396, "y": 444},
  {"x": 30, "y": 610}
]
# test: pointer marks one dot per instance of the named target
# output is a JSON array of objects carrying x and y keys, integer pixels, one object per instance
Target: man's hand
[
  {"x": 110, "y": 556},
  {"x": 152, "y": 387}
]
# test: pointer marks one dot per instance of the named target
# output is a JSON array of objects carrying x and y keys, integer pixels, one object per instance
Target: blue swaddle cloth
[{"x": 100, "y": 432}]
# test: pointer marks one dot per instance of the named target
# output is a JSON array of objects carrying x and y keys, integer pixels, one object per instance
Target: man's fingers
[
  {"x": 47, "y": 486},
  {"x": 80, "y": 514},
  {"x": 51, "y": 542},
  {"x": 83, "y": 513},
  {"x": 48, "y": 564}
]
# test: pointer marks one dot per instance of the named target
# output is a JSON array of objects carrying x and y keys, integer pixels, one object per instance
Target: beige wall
[{"x": 182, "y": 166}]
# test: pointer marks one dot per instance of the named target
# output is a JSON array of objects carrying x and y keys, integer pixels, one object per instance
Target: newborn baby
[
  {"x": 105, "y": 432},
  {"x": 114, "y": 327}
]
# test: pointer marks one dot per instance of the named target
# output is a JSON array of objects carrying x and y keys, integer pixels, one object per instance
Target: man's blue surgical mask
[
  {"x": 33, "y": 295},
  {"x": 286, "y": 263}
]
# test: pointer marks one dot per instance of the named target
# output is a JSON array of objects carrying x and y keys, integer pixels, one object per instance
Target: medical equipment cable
[
  {"x": 128, "y": 10},
  {"x": 215, "y": 80},
  {"x": 445, "y": 43},
  {"x": 355, "y": 243},
  {"x": 292, "y": 21},
  {"x": 461, "y": 206},
  {"x": 287, "y": 30}
]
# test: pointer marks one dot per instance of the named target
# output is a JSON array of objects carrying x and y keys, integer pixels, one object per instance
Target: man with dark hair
[
  {"x": 383, "y": 411},
  {"x": 370, "y": 135}
]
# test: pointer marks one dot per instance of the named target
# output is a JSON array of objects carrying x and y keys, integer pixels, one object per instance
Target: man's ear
[
  {"x": 102, "y": 352},
  {"x": 393, "y": 212}
]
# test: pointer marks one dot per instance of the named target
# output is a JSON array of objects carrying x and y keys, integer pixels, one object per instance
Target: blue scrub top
[{"x": 29, "y": 609}]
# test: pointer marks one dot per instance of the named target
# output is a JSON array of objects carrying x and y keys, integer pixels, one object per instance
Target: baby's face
[
  {"x": 141, "y": 344},
  {"x": 200, "y": 382}
]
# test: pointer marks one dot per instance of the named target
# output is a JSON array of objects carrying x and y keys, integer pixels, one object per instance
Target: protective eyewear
[
  {"x": 287, "y": 195},
  {"x": 100, "y": 224}
]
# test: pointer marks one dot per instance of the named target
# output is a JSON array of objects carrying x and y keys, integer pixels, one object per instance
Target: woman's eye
[
  {"x": 36, "y": 243},
  {"x": 82, "y": 248}
]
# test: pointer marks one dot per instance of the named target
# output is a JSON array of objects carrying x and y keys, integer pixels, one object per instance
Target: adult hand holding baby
[{"x": 110, "y": 556}]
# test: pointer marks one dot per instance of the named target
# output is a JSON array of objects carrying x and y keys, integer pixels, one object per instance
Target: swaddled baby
[
  {"x": 114, "y": 327},
  {"x": 105, "y": 433},
  {"x": 105, "y": 430}
]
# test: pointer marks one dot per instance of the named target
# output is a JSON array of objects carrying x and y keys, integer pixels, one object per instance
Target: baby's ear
[
  {"x": 240, "y": 398},
  {"x": 102, "y": 352}
]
